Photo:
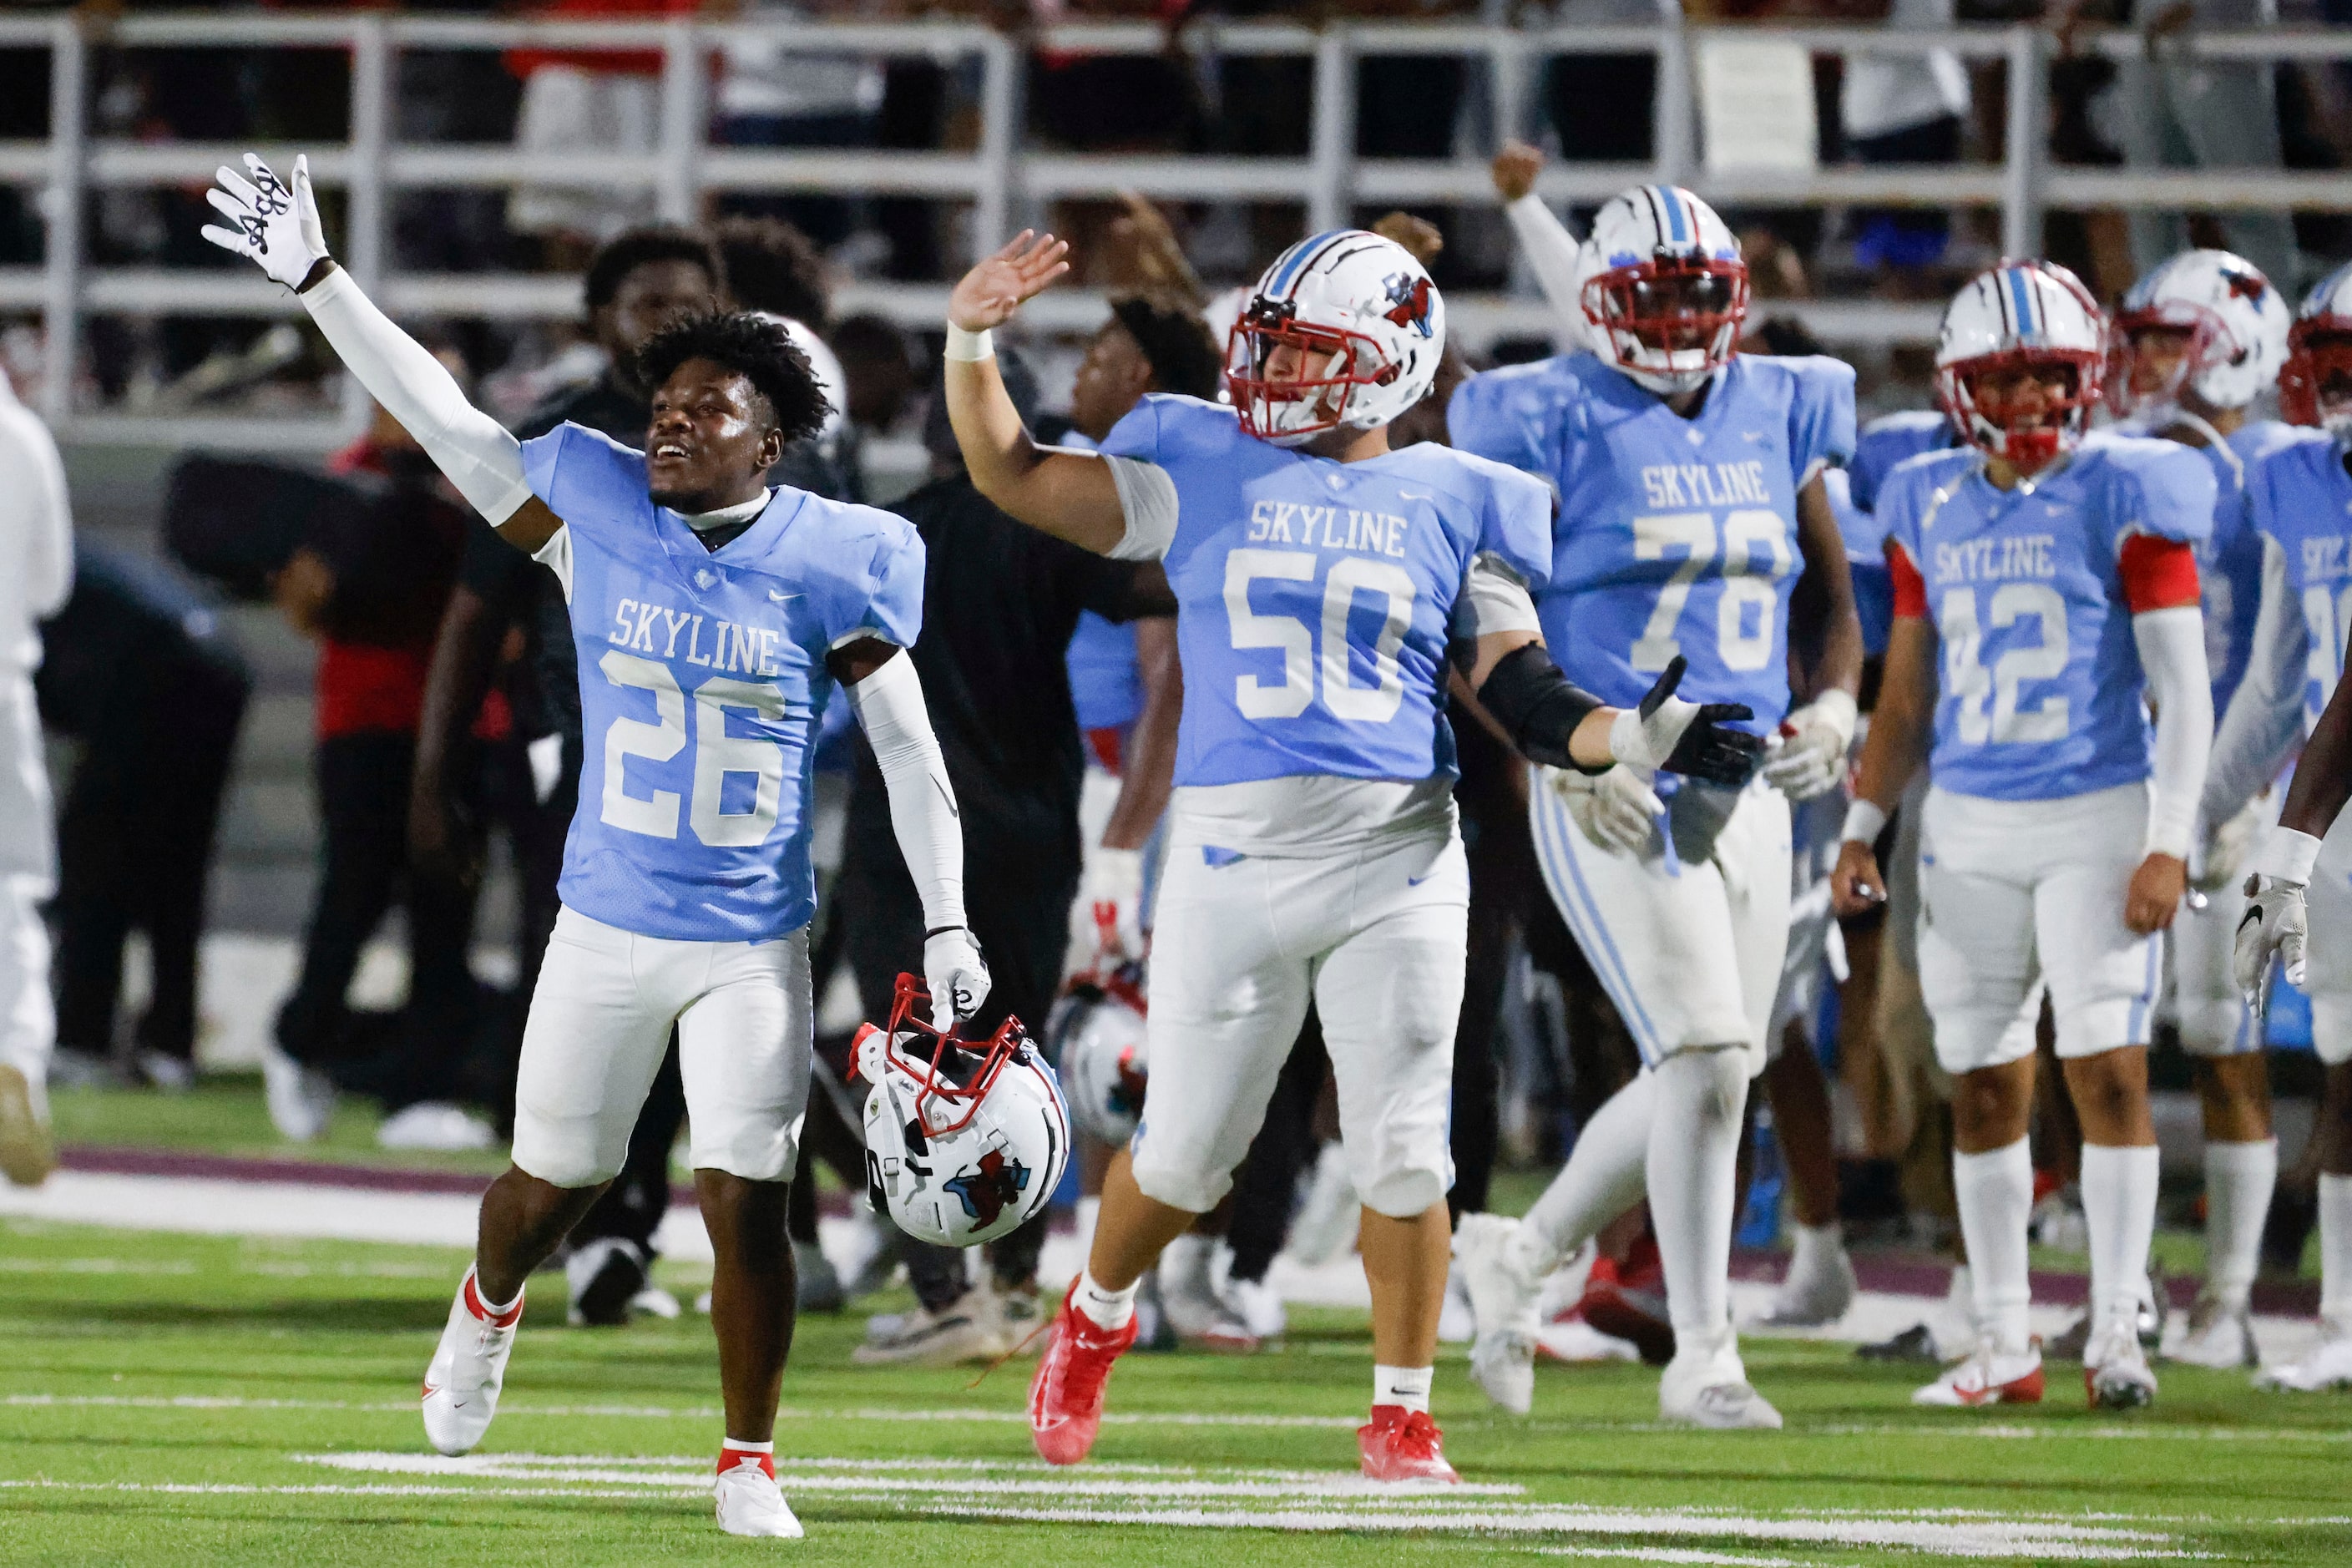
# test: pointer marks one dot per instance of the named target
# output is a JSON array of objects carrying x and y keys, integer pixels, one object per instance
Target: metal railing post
[
  {"x": 367, "y": 211},
  {"x": 1674, "y": 119},
  {"x": 1507, "y": 60},
  {"x": 684, "y": 125},
  {"x": 1003, "y": 81},
  {"x": 69, "y": 153},
  {"x": 1333, "y": 149},
  {"x": 2024, "y": 148}
]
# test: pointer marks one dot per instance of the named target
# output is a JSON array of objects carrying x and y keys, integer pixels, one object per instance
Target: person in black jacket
[{"x": 999, "y": 601}]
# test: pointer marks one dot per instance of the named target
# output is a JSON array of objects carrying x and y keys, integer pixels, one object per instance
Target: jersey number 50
[
  {"x": 717, "y": 755},
  {"x": 1374, "y": 704}
]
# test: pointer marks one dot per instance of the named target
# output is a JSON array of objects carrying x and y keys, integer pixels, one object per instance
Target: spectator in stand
[
  {"x": 35, "y": 572},
  {"x": 2169, "y": 109},
  {"x": 772, "y": 268},
  {"x": 374, "y": 613},
  {"x": 135, "y": 837},
  {"x": 770, "y": 96},
  {"x": 882, "y": 368},
  {"x": 582, "y": 101},
  {"x": 1905, "y": 109},
  {"x": 635, "y": 284}
]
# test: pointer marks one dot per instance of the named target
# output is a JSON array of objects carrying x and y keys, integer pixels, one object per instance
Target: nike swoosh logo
[
  {"x": 948, "y": 795},
  {"x": 1417, "y": 882},
  {"x": 1413, "y": 495},
  {"x": 783, "y": 598}
]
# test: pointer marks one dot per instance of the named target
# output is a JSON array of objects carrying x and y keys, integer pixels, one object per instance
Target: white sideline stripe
[
  {"x": 2012, "y": 1538},
  {"x": 2010, "y": 1432},
  {"x": 1425, "y": 1510},
  {"x": 1674, "y": 1554}
]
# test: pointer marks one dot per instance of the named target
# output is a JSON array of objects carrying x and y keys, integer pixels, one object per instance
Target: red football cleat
[
  {"x": 1398, "y": 1445},
  {"x": 1628, "y": 1301},
  {"x": 1066, "y": 1397}
]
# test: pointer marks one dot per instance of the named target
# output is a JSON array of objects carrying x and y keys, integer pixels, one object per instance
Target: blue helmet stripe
[
  {"x": 1300, "y": 255},
  {"x": 2021, "y": 293},
  {"x": 1677, "y": 230}
]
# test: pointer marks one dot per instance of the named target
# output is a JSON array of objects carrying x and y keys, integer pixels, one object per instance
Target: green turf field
[{"x": 169, "y": 1399}]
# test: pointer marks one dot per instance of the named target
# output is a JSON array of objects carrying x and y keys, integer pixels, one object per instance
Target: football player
[
  {"x": 2045, "y": 594},
  {"x": 2194, "y": 343},
  {"x": 1691, "y": 510},
  {"x": 714, "y": 617},
  {"x": 2302, "y": 499},
  {"x": 1321, "y": 580}
]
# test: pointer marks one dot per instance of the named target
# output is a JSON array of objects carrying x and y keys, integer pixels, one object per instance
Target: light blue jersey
[
  {"x": 1674, "y": 535},
  {"x": 1105, "y": 682},
  {"x": 2301, "y": 496},
  {"x": 2040, "y": 693},
  {"x": 702, "y": 684},
  {"x": 2230, "y": 562},
  {"x": 1886, "y": 441},
  {"x": 1316, "y": 597}
]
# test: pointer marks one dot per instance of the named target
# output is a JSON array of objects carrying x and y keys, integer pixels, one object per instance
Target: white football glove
[
  {"x": 1808, "y": 758},
  {"x": 273, "y": 224},
  {"x": 1112, "y": 891},
  {"x": 2275, "y": 923},
  {"x": 957, "y": 975},
  {"x": 2222, "y": 851},
  {"x": 1616, "y": 810}
]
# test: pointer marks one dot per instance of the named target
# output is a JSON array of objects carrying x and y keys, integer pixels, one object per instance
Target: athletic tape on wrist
[
  {"x": 969, "y": 347},
  {"x": 1865, "y": 821}
]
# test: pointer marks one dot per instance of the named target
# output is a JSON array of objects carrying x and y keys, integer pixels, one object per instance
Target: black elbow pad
[{"x": 1539, "y": 707}]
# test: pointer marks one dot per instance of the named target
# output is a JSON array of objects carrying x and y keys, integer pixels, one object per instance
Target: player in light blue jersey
[
  {"x": 2195, "y": 343},
  {"x": 1692, "y": 510},
  {"x": 714, "y": 617},
  {"x": 2301, "y": 498},
  {"x": 1323, "y": 584},
  {"x": 2045, "y": 597}
]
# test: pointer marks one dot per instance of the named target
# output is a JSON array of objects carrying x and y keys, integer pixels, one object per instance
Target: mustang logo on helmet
[
  {"x": 985, "y": 1190},
  {"x": 1409, "y": 302}
]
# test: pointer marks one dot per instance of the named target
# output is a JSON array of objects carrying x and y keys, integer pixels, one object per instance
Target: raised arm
[
  {"x": 1073, "y": 496},
  {"x": 1553, "y": 253},
  {"x": 275, "y": 225}
]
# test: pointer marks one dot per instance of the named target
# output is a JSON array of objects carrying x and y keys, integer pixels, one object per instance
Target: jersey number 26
[{"x": 717, "y": 755}]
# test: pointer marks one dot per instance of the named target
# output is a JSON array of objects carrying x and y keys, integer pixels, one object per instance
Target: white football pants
[
  {"x": 1375, "y": 935},
  {"x": 28, "y": 1017},
  {"x": 1690, "y": 953},
  {"x": 599, "y": 1021}
]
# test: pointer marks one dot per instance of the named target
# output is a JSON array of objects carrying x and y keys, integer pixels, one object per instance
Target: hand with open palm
[{"x": 988, "y": 294}]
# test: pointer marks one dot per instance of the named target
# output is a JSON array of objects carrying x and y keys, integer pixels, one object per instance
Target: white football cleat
[
  {"x": 1987, "y": 1377},
  {"x": 2328, "y": 1364},
  {"x": 962, "y": 1330},
  {"x": 468, "y": 1368},
  {"x": 1503, "y": 1305},
  {"x": 1818, "y": 1288},
  {"x": 2115, "y": 1373},
  {"x": 2221, "y": 1337},
  {"x": 750, "y": 1502},
  {"x": 1195, "y": 1313},
  {"x": 302, "y": 1099},
  {"x": 1259, "y": 1307},
  {"x": 27, "y": 1154},
  {"x": 1705, "y": 1386}
]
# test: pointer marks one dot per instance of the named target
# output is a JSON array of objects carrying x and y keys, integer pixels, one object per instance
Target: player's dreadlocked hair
[{"x": 756, "y": 347}]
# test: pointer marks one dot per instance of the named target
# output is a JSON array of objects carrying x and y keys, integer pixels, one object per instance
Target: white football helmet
[
  {"x": 965, "y": 1140},
  {"x": 1097, "y": 1038},
  {"x": 2233, "y": 322},
  {"x": 2316, "y": 388},
  {"x": 2021, "y": 315},
  {"x": 1352, "y": 305},
  {"x": 1664, "y": 287}
]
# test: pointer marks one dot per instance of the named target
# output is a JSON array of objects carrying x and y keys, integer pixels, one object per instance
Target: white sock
[
  {"x": 1106, "y": 1307},
  {"x": 2238, "y": 1182},
  {"x": 1818, "y": 1247},
  {"x": 2119, "y": 1208},
  {"x": 1996, "y": 1197},
  {"x": 2336, "y": 1249},
  {"x": 1402, "y": 1385},
  {"x": 1604, "y": 1176},
  {"x": 1694, "y": 1155},
  {"x": 489, "y": 1308}
]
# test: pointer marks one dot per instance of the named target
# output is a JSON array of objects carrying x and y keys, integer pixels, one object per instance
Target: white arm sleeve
[
  {"x": 2172, "y": 653},
  {"x": 2266, "y": 715},
  {"x": 33, "y": 496},
  {"x": 1147, "y": 496},
  {"x": 482, "y": 458},
  {"x": 1553, "y": 254},
  {"x": 1494, "y": 598},
  {"x": 890, "y": 708}
]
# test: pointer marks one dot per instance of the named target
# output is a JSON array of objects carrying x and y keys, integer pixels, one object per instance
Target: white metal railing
[{"x": 1004, "y": 183}]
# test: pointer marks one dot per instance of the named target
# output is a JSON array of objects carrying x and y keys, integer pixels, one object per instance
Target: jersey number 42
[{"x": 717, "y": 755}]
